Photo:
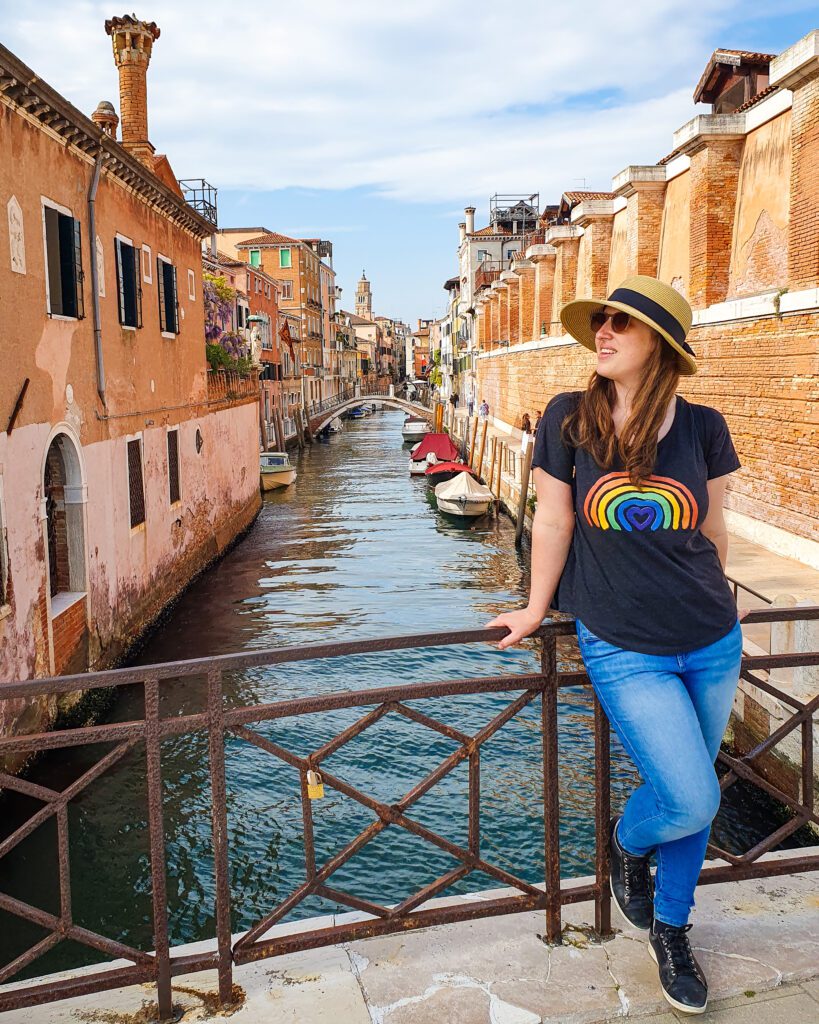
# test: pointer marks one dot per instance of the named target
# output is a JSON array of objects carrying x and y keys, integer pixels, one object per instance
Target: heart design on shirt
[{"x": 640, "y": 516}]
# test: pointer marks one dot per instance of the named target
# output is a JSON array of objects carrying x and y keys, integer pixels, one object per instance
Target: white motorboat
[
  {"x": 335, "y": 426},
  {"x": 414, "y": 427},
  {"x": 418, "y": 467},
  {"x": 275, "y": 470},
  {"x": 463, "y": 496}
]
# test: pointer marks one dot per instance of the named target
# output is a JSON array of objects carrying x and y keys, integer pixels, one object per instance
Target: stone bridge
[{"x": 319, "y": 418}]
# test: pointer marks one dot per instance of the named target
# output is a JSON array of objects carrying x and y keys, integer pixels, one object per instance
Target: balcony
[
  {"x": 232, "y": 386},
  {"x": 201, "y": 196},
  {"x": 487, "y": 272}
]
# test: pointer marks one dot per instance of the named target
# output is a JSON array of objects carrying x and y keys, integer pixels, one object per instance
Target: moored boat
[
  {"x": 335, "y": 426},
  {"x": 414, "y": 427},
  {"x": 464, "y": 497},
  {"x": 440, "y": 472},
  {"x": 433, "y": 448},
  {"x": 275, "y": 470}
]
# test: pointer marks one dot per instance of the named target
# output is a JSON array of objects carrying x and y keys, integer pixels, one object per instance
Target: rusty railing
[{"x": 218, "y": 721}]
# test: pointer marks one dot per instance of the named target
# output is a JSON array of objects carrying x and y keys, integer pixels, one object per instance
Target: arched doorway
[{"x": 64, "y": 528}]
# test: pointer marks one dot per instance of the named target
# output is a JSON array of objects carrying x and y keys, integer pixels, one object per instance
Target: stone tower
[
  {"x": 364, "y": 298},
  {"x": 133, "y": 41}
]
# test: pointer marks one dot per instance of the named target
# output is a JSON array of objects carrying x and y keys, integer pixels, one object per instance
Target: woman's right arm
[{"x": 552, "y": 530}]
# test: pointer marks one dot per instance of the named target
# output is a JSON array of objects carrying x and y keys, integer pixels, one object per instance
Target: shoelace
[
  {"x": 678, "y": 950},
  {"x": 637, "y": 875}
]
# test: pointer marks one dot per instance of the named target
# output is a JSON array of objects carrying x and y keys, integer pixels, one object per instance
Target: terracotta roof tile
[
  {"x": 749, "y": 55},
  {"x": 490, "y": 229},
  {"x": 578, "y": 197},
  {"x": 767, "y": 91},
  {"x": 269, "y": 238}
]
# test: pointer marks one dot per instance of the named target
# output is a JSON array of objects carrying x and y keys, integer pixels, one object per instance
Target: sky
[{"x": 373, "y": 124}]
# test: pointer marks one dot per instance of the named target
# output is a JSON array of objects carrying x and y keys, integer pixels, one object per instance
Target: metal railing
[
  {"x": 221, "y": 722},
  {"x": 228, "y": 385}
]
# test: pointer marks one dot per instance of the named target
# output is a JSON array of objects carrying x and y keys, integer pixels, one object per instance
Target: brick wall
[
  {"x": 803, "y": 246},
  {"x": 762, "y": 374},
  {"x": 70, "y": 639}
]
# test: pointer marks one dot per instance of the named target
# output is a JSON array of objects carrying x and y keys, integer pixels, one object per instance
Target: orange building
[{"x": 124, "y": 467}]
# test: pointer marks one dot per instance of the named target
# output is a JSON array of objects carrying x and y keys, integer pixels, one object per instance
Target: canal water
[{"x": 354, "y": 549}]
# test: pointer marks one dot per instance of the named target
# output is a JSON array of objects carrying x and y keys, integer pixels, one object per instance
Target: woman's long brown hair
[{"x": 591, "y": 425}]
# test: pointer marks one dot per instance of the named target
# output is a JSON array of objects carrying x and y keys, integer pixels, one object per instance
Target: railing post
[
  {"x": 218, "y": 790},
  {"x": 602, "y": 814},
  {"x": 156, "y": 829},
  {"x": 551, "y": 801}
]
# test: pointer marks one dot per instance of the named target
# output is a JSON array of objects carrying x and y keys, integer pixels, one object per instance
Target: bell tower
[{"x": 363, "y": 298}]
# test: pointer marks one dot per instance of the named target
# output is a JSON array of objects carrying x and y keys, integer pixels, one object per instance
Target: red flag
[{"x": 284, "y": 334}]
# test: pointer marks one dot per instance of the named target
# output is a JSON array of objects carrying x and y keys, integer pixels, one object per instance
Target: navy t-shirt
[{"x": 640, "y": 573}]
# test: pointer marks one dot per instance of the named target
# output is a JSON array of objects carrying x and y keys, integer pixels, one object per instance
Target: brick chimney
[
  {"x": 106, "y": 117},
  {"x": 133, "y": 41}
]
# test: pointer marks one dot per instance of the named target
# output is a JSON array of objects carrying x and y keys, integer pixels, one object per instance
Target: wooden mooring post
[
  {"x": 525, "y": 469},
  {"x": 472, "y": 443},
  {"x": 479, "y": 467}
]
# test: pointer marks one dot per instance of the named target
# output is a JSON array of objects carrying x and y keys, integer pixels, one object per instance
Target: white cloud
[{"x": 429, "y": 100}]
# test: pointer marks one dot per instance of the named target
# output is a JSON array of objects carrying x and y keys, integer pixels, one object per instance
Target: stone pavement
[{"x": 757, "y": 940}]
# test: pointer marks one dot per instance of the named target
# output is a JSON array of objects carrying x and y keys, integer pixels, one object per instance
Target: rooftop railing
[{"x": 224, "y": 721}]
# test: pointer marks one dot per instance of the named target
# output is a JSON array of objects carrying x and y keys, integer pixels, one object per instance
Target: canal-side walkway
[{"x": 758, "y": 941}]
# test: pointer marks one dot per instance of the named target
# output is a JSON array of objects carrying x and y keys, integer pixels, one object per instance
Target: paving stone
[
  {"x": 756, "y": 936},
  {"x": 796, "y": 1008},
  {"x": 812, "y": 988}
]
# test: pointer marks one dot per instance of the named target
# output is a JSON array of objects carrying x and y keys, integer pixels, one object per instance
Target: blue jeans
[{"x": 670, "y": 712}]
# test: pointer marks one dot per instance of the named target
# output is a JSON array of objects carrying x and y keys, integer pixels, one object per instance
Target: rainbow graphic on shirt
[{"x": 614, "y": 503}]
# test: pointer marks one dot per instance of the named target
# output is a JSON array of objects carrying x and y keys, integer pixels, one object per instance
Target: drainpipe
[{"x": 95, "y": 278}]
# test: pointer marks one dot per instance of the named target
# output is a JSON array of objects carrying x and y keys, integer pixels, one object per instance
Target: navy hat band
[{"x": 659, "y": 314}]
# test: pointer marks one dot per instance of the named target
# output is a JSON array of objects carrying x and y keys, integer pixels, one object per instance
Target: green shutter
[
  {"x": 120, "y": 280},
  {"x": 79, "y": 276},
  {"x": 160, "y": 283}
]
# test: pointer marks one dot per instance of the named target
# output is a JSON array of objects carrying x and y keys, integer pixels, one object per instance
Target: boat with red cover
[
  {"x": 431, "y": 449},
  {"x": 439, "y": 472}
]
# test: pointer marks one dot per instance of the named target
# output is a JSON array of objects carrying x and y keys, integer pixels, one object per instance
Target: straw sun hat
[{"x": 649, "y": 300}]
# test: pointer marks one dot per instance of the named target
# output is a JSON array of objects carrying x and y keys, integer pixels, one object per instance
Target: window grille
[
  {"x": 135, "y": 488},
  {"x": 173, "y": 465}
]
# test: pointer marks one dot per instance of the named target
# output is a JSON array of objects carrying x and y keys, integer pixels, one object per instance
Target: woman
[{"x": 629, "y": 531}]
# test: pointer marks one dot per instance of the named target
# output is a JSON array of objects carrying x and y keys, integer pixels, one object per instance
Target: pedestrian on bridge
[{"x": 629, "y": 536}]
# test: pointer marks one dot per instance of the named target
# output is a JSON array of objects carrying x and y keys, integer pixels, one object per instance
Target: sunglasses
[{"x": 620, "y": 322}]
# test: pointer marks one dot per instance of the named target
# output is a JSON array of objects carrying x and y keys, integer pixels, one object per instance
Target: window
[
  {"x": 168, "y": 302},
  {"x": 129, "y": 290},
  {"x": 173, "y": 466},
  {"x": 136, "y": 493},
  {"x": 287, "y": 290},
  {"x": 284, "y": 258},
  {"x": 64, "y": 274},
  {"x": 256, "y": 258},
  {"x": 147, "y": 265},
  {"x": 191, "y": 286}
]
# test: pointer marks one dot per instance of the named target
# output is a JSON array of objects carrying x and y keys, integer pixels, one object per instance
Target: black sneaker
[
  {"x": 681, "y": 977},
  {"x": 631, "y": 883}
]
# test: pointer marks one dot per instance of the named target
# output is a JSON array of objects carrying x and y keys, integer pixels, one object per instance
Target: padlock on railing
[{"x": 315, "y": 787}]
